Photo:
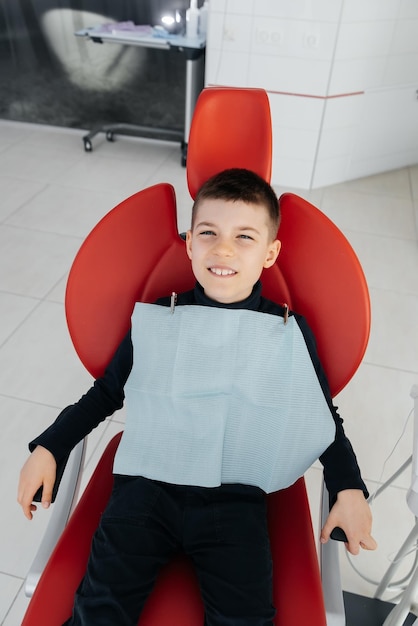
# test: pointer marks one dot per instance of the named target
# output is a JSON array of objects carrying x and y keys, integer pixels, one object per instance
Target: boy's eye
[
  {"x": 207, "y": 232},
  {"x": 244, "y": 236}
]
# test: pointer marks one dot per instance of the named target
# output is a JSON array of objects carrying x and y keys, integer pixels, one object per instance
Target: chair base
[{"x": 362, "y": 611}]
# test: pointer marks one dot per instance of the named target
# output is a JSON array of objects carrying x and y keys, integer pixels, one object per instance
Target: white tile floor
[{"x": 52, "y": 193}]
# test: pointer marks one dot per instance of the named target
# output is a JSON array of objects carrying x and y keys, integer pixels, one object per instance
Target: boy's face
[{"x": 229, "y": 245}]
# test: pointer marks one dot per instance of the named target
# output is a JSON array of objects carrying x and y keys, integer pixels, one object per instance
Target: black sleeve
[
  {"x": 102, "y": 399},
  {"x": 341, "y": 470}
]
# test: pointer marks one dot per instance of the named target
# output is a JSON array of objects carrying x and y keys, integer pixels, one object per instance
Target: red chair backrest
[
  {"x": 135, "y": 253},
  {"x": 327, "y": 285},
  {"x": 112, "y": 268}
]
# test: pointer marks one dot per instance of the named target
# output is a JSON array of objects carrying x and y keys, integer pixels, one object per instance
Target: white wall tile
[
  {"x": 236, "y": 33},
  {"x": 288, "y": 75},
  {"x": 400, "y": 70},
  {"x": 231, "y": 70},
  {"x": 383, "y": 163},
  {"x": 405, "y": 38},
  {"x": 296, "y": 111},
  {"x": 212, "y": 66},
  {"x": 215, "y": 33},
  {"x": 270, "y": 36},
  {"x": 364, "y": 39},
  {"x": 330, "y": 171},
  {"x": 297, "y": 143},
  {"x": 353, "y": 75},
  {"x": 359, "y": 11},
  {"x": 322, "y": 49},
  {"x": 289, "y": 173},
  {"x": 296, "y": 122},
  {"x": 342, "y": 112},
  {"x": 335, "y": 142},
  {"x": 408, "y": 9},
  {"x": 295, "y": 38},
  {"x": 388, "y": 124},
  {"x": 217, "y": 6},
  {"x": 241, "y": 7},
  {"x": 326, "y": 10}
]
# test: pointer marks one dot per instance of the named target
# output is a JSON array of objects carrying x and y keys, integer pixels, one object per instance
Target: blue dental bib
[{"x": 221, "y": 396}]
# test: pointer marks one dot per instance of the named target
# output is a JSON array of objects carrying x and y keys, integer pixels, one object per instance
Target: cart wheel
[
  {"x": 109, "y": 135},
  {"x": 87, "y": 145}
]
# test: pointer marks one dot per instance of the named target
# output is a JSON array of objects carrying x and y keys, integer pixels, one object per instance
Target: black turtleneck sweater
[{"x": 107, "y": 395}]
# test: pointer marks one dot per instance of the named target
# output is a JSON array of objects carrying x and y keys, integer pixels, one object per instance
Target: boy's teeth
[{"x": 220, "y": 272}]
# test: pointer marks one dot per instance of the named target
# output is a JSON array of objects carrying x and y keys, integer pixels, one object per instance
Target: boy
[{"x": 205, "y": 385}]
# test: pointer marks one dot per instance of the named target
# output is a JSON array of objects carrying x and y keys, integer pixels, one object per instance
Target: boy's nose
[{"x": 224, "y": 248}]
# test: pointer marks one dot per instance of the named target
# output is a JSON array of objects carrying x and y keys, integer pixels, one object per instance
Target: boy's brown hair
[{"x": 241, "y": 184}]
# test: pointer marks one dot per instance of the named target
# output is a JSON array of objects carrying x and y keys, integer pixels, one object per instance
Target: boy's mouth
[{"x": 219, "y": 271}]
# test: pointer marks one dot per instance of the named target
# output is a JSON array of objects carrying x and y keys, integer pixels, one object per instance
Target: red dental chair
[{"x": 135, "y": 253}]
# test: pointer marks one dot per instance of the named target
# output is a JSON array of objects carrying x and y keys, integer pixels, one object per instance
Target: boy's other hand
[
  {"x": 38, "y": 471},
  {"x": 352, "y": 513}
]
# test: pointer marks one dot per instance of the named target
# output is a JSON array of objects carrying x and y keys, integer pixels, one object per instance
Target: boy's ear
[
  {"x": 189, "y": 244},
  {"x": 273, "y": 253}
]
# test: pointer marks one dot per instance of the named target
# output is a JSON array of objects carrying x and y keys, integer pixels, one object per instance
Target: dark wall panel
[{"x": 49, "y": 76}]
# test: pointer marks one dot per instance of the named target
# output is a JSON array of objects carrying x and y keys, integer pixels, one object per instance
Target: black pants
[{"x": 223, "y": 530}]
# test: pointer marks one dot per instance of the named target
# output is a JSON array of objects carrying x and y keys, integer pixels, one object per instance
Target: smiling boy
[
  {"x": 206, "y": 391},
  {"x": 229, "y": 248}
]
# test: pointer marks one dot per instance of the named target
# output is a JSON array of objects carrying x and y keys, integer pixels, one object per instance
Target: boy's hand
[
  {"x": 38, "y": 471},
  {"x": 351, "y": 512}
]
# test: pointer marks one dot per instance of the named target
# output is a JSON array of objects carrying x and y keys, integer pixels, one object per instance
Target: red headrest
[{"x": 230, "y": 128}]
